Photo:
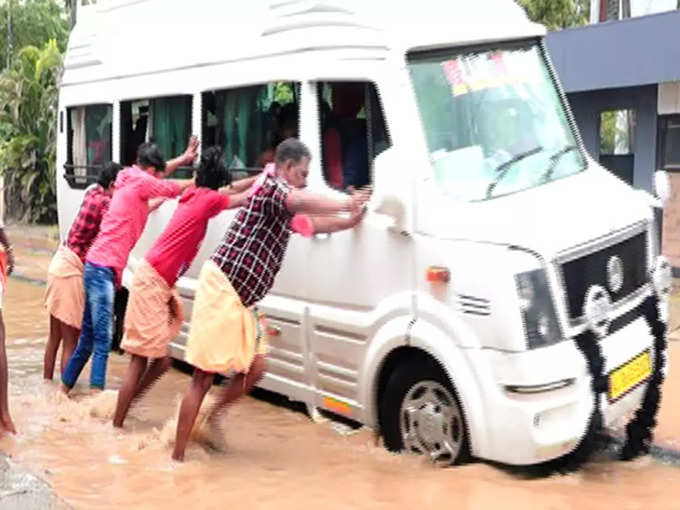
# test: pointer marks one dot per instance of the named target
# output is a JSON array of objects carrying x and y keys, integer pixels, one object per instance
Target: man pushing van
[{"x": 224, "y": 328}]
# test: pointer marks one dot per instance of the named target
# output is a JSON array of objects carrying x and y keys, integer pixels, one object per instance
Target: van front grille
[{"x": 582, "y": 273}]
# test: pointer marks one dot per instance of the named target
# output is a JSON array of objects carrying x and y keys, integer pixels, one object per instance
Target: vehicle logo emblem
[
  {"x": 596, "y": 309},
  {"x": 615, "y": 274}
]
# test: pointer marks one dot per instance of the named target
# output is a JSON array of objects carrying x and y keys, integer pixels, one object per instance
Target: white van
[{"x": 504, "y": 297}]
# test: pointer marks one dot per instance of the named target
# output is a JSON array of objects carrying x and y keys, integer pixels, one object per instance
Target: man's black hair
[
  {"x": 148, "y": 155},
  {"x": 108, "y": 174},
  {"x": 212, "y": 172}
]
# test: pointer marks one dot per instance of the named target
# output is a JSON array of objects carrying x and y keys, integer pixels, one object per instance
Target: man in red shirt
[{"x": 65, "y": 295}]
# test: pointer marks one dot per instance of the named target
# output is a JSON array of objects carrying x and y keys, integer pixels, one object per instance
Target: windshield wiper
[
  {"x": 554, "y": 160},
  {"x": 503, "y": 168}
]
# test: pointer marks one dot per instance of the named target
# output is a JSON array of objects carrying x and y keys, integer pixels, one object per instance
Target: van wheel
[{"x": 419, "y": 413}]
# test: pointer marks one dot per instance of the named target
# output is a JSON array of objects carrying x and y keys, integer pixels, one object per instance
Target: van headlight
[{"x": 538, "y": 313}]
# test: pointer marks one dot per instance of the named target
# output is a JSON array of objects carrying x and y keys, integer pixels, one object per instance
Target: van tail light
[{"x": 437, "y": 274}]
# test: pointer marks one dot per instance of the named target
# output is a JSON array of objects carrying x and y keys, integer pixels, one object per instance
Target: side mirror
[
  {"x": 662, "y": 186},
  {"x": 392, "y": 191}
]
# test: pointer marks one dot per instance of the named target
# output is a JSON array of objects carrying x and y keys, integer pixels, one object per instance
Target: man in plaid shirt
[
  {"x": 224, "y": 335},
  {"x": 64, "y": 296}
]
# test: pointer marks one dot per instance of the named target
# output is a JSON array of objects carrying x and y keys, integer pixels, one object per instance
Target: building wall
[
  {"x": 671, "y": 225},
  {"x": 587, "y": 107}
]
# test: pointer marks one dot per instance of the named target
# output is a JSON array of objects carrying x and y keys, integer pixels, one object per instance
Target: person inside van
[
  {"x": 348, "y": 101},
  {"x": 64, "y": 294},
  {"x": 332, "y": 146},
  {"x": 154, "y": 313},
  {"x": 224, "y": 328},
  {"x": 6, "y": 269},
  {"x": 121, "y": 227},
  {"x": 284, "y": 126}
]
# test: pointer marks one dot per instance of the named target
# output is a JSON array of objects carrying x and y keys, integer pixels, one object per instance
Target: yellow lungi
[{"x": 224, "y": 335}]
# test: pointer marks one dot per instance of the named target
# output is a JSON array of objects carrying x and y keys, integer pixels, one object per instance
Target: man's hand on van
[
  {"x": 360, "y": 198},
  {"x": 186, "y": 159},
  {"x": 191, "y": 152}
]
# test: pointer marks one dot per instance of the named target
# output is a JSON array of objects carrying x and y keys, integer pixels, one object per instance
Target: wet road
[{"x": 276, "y": 458}]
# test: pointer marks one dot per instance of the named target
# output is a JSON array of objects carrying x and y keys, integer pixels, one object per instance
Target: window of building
[
  {"x": 617, "y": 132},
  {"x": 249, "y": 122},
  {"x": 166, "y": 121},
  {"x": 89, "y": 142},
  {"x": 670, "y": 141},
  {"x": 617, "y": 142},
  {"x": 353, "y": 132}
]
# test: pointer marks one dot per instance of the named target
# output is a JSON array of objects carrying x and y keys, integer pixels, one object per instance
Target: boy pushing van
[
  {"x": 64, "y": 294},
  {"x": 223, "y": 335}
]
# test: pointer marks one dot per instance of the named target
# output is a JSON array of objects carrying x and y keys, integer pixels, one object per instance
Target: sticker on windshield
[{"x": 483, "y": 71}]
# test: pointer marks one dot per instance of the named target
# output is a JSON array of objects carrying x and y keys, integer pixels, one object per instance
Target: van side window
[
  {"x": 353, "y": 132},
  {"x": 249, "y": 122},
  {"x": 88, "y": 142},
  {"x": 166, "y": 121}
]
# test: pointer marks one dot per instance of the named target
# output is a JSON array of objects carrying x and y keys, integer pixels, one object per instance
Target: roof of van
[{"x": 116, "y": 38}]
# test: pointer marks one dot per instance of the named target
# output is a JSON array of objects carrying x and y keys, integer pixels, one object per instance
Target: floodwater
[{"x": 276, "y": 458}]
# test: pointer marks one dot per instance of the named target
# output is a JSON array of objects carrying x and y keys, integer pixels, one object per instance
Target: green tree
[
  {"x": 28, "y": 109},
  {"x": 557, "y": 14},
  {"x": 33, "y": 22}
]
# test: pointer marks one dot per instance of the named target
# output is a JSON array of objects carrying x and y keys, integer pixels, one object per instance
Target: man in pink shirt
[{"x": 120, "y": 229}]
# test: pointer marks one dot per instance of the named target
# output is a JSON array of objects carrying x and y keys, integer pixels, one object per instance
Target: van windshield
[{"x": 493, "y": 120}]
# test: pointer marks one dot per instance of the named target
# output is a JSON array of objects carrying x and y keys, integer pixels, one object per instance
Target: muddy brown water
[{"x": 277, "y": 457}]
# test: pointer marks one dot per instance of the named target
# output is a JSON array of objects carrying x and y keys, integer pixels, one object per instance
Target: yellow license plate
[{"x": 629, "y": 375}]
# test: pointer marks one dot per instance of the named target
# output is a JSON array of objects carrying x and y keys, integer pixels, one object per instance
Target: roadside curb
[{"x": 20, "y": 488}]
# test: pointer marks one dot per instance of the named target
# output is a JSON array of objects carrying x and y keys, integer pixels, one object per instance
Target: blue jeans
[{"x": 96, "y": 330}]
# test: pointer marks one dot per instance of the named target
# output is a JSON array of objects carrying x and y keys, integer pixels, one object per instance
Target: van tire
[{"x": 411, "y": 381}]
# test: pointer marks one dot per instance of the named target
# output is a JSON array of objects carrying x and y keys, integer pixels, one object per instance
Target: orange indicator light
[{"x": 438, "y": 274}]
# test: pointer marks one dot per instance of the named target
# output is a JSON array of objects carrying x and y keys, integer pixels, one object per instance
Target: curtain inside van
[
  {"x": 243, "y": 112},
  {"x": 171, "y": 124}
]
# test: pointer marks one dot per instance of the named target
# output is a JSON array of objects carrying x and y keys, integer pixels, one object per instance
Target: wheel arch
[{"x": 422, "y": 340}]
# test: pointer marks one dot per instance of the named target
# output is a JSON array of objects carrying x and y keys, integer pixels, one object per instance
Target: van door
[{"x": 351, "y": 274}]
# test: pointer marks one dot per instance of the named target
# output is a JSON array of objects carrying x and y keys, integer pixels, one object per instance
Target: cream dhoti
[
  {"x": 154, "y": 314},
  {"x": 224, "y": 335},
  {"x": 65, "y": 294}
]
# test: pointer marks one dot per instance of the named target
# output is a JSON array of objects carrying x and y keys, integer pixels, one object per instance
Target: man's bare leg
[
  {"x": 238, "y": 387},
  {"x": 53, "y": 340},
  {"x": 154, "y": 371},
  {"x": 5, "y": 418},
  {"x": 69, "y": 340},
  {"x": 127, "y": 391},
  {"x": 191, "y": 403}
]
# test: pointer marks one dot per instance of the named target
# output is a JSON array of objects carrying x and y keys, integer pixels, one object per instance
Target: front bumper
[{"x": 529, "y": 427}]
